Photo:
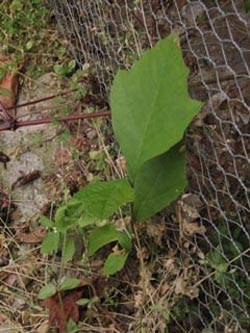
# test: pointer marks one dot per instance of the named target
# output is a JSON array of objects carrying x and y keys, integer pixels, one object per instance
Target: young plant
[{"x": 151, "y": 110}]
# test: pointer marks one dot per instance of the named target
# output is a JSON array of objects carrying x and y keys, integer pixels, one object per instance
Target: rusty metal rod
[{"x": 13, "y": 126}]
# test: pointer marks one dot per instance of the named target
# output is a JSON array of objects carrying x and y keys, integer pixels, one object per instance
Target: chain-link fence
[{"x": 213, "y": 235}]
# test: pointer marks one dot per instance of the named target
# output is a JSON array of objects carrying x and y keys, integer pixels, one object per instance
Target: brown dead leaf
[
  {"x": 156, "y": 231},
  {"x": 11, "y": 280},
  {"x": 33, "y": 237},
  {"x": 79, "y": 142},
  {"x": 8, "y": 83},
  {"x": 188, "y": 214},
  {"x": 193, "y": 228},
  {"x": 63, "y": 156},
  {"x": 182, "y": 288},
  {"x": 63, "y": 307},
  {"x": 59, "y": 314}
]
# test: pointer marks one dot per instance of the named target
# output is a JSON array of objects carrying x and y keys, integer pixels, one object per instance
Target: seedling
[{"x": 151, "y": 110}]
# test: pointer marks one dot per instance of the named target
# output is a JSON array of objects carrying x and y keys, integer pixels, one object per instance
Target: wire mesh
[{"x": 215, "y": 39}]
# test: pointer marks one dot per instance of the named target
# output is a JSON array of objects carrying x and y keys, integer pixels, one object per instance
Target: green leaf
[
  {"x": 215, "y": 257},
  {"x": 50, "y": 242},
  {"x": 62, "y": 221},
  {"x": 85, "y": 221},
  {"x": 100, "y": 237},
  {"x": 75, "y": 208},
  {"x": 59, "y": 69},
  {"x": 102, "y": 199},
  {"x": 151, "y": 107},
  {"x": 46, "y": 222},
  {"x": 114, "y": 263},
  {"x": 68, "y": 249},
  {"x": 16, "y": 5},
  {"x": 159, "y": 181},
  {"x": 47, "y": 291},
  {"x": 222, "y": 268},
  {"x": 68, "y": 284},
  {"x": 72, "y": 327},
  {"x": 37, "y": 138},
  {"x": 124, "y": 240},
  {"x": 60, "y": 214},
  {"x": 71, "y": 65},
  {"x": 83, "y": 301},
  {"x": 29, "y": 45}
]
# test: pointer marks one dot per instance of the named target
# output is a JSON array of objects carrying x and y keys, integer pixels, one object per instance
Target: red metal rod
[
  {"x": 41, "y": 99},
  {"x": 16, "y": 125}
]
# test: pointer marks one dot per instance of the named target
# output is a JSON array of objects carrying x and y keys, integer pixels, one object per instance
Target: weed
[{"x": 156, "y": 162}]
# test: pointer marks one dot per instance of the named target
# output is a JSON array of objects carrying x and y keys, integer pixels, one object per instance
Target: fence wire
[{"x": 215, "y": 39}]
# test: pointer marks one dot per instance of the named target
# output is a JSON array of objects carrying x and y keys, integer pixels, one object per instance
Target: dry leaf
[
  {"x": 156, "y": 230},
  {"x": 63, "y": 156},
  {"x": 79, "y": 142},
  {"x": 193, "y": 228},
  {"x": 138, "y": 300},
  {"x": 33, "y": 237},
  {"x": 188, "y": 214},
  {"x": 63, "y": 307},
  {"x": 60, "y": 314},
  {"x": 181, "y": 288},
  {"x": 8, "y": 83}
]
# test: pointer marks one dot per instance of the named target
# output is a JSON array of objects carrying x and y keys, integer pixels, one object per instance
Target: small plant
[
  {"x": 151, "y": 109},
  {"x": 66, "y": 69},
  {"x": 51, "y": 289}
]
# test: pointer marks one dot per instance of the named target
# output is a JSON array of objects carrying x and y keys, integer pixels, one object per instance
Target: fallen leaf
[
  {"x": 181, "y": 288},
  {"x": 63, "y": 156},
  {"x": 33, "y": 237},
  {"x": 59, "y": 314},
  {"x": 19, "y": 275},
  {"x": 188, "y": 214},
  {"x": 11, "y": 280},
  {"x": 156, "y": 231},
  {"x": 62, "y": 306},
  {"x": 8, "y": 84},
  {"x": 193, "y": 228}
]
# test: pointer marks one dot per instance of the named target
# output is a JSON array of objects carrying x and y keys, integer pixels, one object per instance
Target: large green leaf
[
  {"x": 150, "y": 104},
  {"x": 102, "y": 199},
  {"x": 158, "y": 182}
]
